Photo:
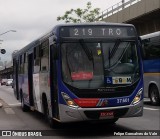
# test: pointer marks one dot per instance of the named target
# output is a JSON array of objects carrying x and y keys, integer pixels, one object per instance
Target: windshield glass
[{"x": 95, "y": 65}]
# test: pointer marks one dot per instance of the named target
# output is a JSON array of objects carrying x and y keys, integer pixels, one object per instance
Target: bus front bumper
[{"x": 70, "y": 114}]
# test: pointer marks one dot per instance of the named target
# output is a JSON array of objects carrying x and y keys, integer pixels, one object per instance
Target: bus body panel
[
  {"x": 68, "y": 114},
  {"x": 151, "y": 74},
  {"x": 121, "y": 106},
  {"x": 45, "y": 89},
  {"x": 111, "y": 102},
  {"x": 37, "y": 92}
]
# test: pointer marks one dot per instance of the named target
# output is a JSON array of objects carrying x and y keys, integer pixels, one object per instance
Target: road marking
[
  {"x": 9, "y": 111},
  {"x": 152, "y": 109},
  {"x": 146, "y": 99},
  {"x": 15, "y": 104}
]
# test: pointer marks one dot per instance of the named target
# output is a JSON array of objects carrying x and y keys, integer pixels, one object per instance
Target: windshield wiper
[
  {"x": 115, "y": 47},
  {"x": 113, "y": 51},
  {"x": 86, "y": 50}
]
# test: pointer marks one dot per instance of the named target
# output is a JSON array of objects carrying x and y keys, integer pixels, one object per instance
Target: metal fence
[{"x": 116, "y": 8}]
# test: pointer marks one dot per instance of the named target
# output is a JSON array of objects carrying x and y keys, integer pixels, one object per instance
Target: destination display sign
[{"x": 97, "y": 31}]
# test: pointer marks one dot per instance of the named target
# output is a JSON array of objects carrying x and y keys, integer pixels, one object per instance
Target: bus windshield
[{"x": 95, "y": 65}]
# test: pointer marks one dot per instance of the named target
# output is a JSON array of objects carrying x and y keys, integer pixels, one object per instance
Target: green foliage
[{"x": 80, "y": 15}]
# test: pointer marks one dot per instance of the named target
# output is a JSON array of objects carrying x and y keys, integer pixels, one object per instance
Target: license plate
[{"x": 107, "y": 114}]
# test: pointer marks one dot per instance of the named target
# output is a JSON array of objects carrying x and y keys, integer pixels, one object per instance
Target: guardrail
[{"x": 116, "y": 8}]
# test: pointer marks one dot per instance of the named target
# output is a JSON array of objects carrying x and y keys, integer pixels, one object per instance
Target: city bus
[
  {"x": 81, "y": 72},
  {"x": 151, "y": 65}
]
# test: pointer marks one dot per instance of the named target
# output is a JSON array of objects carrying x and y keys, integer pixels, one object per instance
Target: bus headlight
[
  {"x": 68, "y": 100},
  {"x": 137, "y": 98}
]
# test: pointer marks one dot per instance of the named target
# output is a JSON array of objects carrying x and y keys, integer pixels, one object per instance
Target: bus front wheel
[{"x": 154, "y": 95}]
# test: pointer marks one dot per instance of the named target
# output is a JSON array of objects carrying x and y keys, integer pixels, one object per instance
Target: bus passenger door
[
  {"x": 53, "y": 81},
  {"x": 30, "y": 78},
  {"x": 15, "y": 76}
]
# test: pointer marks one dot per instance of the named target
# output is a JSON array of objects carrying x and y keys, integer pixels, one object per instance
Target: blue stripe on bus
[{"x": 151, "y": 65}]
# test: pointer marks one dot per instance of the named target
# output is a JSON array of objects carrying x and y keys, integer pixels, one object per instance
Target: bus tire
[
  {"x": 48, "y": 119},
  {"x": 45, "y": 109},
  {"x": 24, "y": 107},
  {"x": 53, "y": 123},
  {"x": 154, "y": 95}
]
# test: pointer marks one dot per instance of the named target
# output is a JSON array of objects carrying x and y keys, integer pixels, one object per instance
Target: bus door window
[
  {"x": 36, "y": 60},
  {"x": 21, "y": 64},
  {"x": 45, "y": 56},
  {"x": 25, "y": 63}
]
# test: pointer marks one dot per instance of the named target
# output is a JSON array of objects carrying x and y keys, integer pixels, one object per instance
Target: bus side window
[
  {"x": 151, "y": 48},
  {"x": 143, "y": 53},
  {"x": 36, "y": 59},
  {"x": 145, "y": 44},
  {"x": 45, "y": 56},
  {"x": 20, "y": 64},
  {"x": 25, "y": 64}
]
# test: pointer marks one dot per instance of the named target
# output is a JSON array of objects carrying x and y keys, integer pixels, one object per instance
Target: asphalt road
[{"x": 12, "y": 118}]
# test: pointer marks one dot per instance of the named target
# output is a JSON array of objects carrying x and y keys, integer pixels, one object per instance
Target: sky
[{"x": 33, "y": 18}]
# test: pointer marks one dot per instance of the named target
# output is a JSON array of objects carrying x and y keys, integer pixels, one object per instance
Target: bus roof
[
  {"x": 151, "y": 35},
  {"x": 94, "y": 23}
]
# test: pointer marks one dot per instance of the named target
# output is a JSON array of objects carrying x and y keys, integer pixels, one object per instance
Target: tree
[{"x": 80, "y": 15}]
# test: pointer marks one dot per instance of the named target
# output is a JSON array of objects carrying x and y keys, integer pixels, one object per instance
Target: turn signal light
[
  {"x": 68, "y": 100},
  {"x": 137, "y": 97}
]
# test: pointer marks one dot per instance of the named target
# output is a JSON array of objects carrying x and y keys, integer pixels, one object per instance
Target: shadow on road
[
  {"x": 80, "y": 129},
  {"x": 147, "y": 103},
  {"x": 84, "y": 129}
]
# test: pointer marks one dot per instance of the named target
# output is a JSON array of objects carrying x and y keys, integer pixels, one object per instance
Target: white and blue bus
[
  {"x": 151, "y": 64},
  {"x": 81, "y": 72}
]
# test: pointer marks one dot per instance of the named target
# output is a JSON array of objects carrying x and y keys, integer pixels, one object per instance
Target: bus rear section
[{"x": 151, "y": 64}]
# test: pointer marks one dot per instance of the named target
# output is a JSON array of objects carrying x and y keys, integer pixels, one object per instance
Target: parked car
[
  {"x": 9, "y": 82},
  {"x": 3, "y": 81}
]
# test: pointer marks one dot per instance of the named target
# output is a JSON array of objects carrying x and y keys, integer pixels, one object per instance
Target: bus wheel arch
[
  {"x": 154, "y": 94},
  {"x": 47, "y": 117}
]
